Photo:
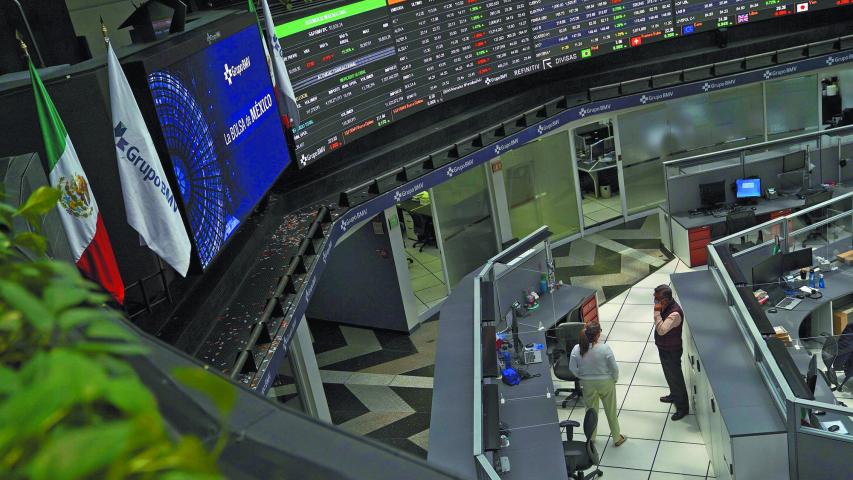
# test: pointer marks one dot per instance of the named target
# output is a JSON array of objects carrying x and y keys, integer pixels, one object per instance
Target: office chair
[
  {"x": 737, "y": 222},
  {"x": 567, "y": 334},
  {"x": 581, "y": 456},
  {"x": 816, "y": 216},
  {"x": 424, "y": 230},
  {"x": 828, "y": 353}
]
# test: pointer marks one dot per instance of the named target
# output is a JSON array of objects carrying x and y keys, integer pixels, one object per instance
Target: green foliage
[{"x": 71, "y": 407}]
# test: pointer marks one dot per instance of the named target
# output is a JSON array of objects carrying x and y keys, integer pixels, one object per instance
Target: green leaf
[
  {"x": 32, "y": 242},
  {"x": 111, "y": 331},
  {"x": 31, "y": 306},
  {"x": 58, "y": 297},
  {"x": 8, "y": 381},
  {"x": 130, "y": 396},
  {"x": 76, "y": 317},
  {"x": 111, "y": 348},
  {"x": 83, "y": 452},
  {"x": 40, "y": 202},
  {"x": 220, "y": 392}
]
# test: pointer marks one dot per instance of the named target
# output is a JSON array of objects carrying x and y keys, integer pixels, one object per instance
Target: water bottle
[
  {"x": 811, "y": 279},
  {"x": 821, "y": 283}
]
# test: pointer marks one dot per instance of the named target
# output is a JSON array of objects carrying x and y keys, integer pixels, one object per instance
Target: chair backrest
[
  {"x": 829, "y": 351},
  {"x": 569, "y": 334},
  {"x": 741, "y": 220},
  {"x": 590, "y": 421}
]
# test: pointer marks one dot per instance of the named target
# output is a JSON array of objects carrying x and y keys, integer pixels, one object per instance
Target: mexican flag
[{"x": 78, "y": 210}]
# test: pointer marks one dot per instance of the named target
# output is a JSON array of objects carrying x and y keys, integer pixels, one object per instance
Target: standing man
[{"x": 668, "y": 322}]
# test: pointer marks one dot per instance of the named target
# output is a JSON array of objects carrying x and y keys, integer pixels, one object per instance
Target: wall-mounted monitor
[{"x": 219, "y": 120}]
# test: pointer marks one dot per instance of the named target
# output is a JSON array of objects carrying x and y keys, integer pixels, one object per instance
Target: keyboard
[
  {"x": 788, "y": 303},
  {"x": 532, "y": 356}
]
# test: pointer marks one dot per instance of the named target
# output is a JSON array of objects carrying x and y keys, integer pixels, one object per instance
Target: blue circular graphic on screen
[{"x": 198, "y": 173}]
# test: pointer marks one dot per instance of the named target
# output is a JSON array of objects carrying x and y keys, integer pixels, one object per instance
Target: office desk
[
  {"x": 415, "y": 208},
  {"x": 743, "y": 431},
  {"x": 839, "y": 284},
  {"x": 692, "y": 233},
  {"x": 535, "y": 449},
  {"x": 592, "y": 169}
]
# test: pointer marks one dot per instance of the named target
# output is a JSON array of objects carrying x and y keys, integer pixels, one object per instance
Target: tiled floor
[
  {"x": 657, "y": 447},
  {"x": 379, "y": 383},
  {"x": 599, "y": 210},
  {"x": 426, "y": 275}
]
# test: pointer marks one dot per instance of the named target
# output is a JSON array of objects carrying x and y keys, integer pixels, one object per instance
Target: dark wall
[{"x": 360, "y": 285}]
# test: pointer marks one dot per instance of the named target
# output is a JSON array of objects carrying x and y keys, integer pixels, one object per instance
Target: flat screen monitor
[
  {"x": 797, "y": 259},
  {"x": 489, "y": 351},
  {"x": 491, "y": 417},
  {"x": 712, "y": 194},
  {"x": 794, "y": 161},
  {"x": 767, "y": 271},
  {"x": 220, "y": 123},
  {"x": 748, "y": 187}
]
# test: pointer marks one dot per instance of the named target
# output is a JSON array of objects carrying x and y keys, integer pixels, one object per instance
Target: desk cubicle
[
  {"x": 469, "y": 400},
  {"x": 801, "y": 402},
  {"x": 686, "y": 232}
]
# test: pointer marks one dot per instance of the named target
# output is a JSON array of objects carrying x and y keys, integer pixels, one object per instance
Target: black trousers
[{"x": 671, "y": 362}]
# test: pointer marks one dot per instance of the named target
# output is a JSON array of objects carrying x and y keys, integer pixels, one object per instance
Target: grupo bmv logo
[{"x": 232, "y": 72}]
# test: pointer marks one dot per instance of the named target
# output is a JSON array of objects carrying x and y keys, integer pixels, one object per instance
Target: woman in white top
[{"x": 594, "y": 364}]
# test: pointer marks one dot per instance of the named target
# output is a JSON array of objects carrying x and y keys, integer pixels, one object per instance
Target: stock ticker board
[{"x": 358, "y": 66}]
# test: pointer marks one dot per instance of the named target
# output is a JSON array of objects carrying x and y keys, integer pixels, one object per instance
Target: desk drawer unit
[
  {"x": 589, "y": 310},
  {"x": 776, "y": 230},
  {"x": 698, "y": 239}
]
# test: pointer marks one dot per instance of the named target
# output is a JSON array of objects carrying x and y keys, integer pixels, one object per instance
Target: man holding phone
[{"x": 669, "y": 319}]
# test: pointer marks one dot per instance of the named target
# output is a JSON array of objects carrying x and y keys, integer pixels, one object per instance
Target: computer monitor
[
  {"x": 489, "y": 351},
  {"x": 767, "y": 271},
  {"x": 797, "y": 259},
  {"x": 794, "y": 161},
  {"x": 811, "y": 374},
  {"x": 491, "y": 417},
  {"x": 791, "y": 182},
  {"x": 748, "y": 187},
  {"x": 712, "y": 194}
]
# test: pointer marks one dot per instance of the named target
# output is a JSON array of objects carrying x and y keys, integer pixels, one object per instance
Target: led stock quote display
[
  {"x": 219, "y": 120},
  {"x": 360, "y": 65}
]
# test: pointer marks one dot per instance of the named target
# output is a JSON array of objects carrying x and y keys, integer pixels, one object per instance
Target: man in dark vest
[{"x": 669, "y": 319}]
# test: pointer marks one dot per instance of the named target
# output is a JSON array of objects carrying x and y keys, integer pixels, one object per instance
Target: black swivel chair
[
  {"x": 817, "y": 215},
  {"x": 581, "y": 455},
  {"x": 828, "y": 353},
  {"x": 424, "y": 230},
  {"x": 568, "y": 334},
  {"x": 737, "y": 222}
]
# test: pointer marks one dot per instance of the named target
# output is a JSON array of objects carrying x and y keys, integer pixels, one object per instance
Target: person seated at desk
[{"x": 594, "y": 364}]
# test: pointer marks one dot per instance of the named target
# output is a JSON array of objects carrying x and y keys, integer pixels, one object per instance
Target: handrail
[
  {"x": 787, "y": 218},
  {"x": 755, "y": 146}
]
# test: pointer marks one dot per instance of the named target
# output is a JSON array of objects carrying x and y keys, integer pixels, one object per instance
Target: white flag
[
  {"x": 282, "y": 79},
  {"x": 149, "y": 200}
]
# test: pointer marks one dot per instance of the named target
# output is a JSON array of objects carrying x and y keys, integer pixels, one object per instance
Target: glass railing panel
[{"x": 827, "y": 235}]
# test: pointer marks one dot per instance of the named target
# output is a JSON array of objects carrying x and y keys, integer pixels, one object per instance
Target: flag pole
[
  {"x": 22, "y": 44},
  {"x": 104, "y": 31}
]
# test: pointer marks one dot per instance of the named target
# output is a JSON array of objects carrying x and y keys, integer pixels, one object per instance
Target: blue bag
[{"x": 510, "y": 376}]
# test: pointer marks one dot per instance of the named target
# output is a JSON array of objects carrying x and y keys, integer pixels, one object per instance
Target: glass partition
[
  {"x": 792, "y": 106},
  {"x": 464, "y": 223},
  {"x": 540, "y": 188}
]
